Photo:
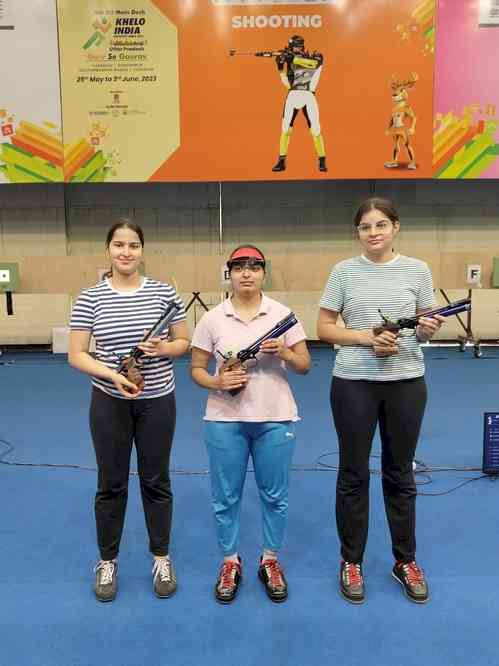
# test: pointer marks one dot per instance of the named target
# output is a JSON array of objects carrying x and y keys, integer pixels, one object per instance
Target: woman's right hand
[
  {"x": 228, "y": 380},
  {"x": 125, "y": 386},
  {"x": 385, "y": 344}
]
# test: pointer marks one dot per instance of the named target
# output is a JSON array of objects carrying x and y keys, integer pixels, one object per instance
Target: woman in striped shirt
[
  {"x": 116, "y": 312},
  {"x": 377, "y": 379}
]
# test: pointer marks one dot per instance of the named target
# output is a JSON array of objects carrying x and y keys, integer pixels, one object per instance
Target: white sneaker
[
  {"x": 164, "y": 579},
  {"x": 106, "y": 580}
]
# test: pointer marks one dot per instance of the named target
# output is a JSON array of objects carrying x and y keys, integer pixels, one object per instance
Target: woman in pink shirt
[{"x": 258, "y": 421}]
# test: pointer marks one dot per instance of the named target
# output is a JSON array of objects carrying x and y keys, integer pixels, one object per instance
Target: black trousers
[
  {"x": 398, "y": 407},
  {"x": 115, "y": 425}
]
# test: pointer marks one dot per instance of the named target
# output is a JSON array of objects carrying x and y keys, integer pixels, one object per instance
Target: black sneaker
[
  {"x": 352, "y": 582},
  {"x": 106, "y": 580},
  {"x": 413, "y": 581},
  {"x": 228, "y": 581},
  {"x": 322, "y": 164},
  {"x": 164, "y": 579},
  {"x": 272, "y": 576},
  {"x": 280, "y": 165}
]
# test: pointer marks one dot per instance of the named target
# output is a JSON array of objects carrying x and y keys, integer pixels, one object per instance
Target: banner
[
  {"x": 466, "y": 138},
  {"x": 120, "y": 89},
  {"x": 350, "y": 98},
  {"x": 236, "y": 90},
  {"x": 203, "y": 90},
  {"x": 30, "y": 111}
]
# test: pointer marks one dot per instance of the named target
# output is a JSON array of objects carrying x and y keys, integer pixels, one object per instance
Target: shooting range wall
[
  {"x": 92, "y": 115},
  {"x": 57, "y": 234}
]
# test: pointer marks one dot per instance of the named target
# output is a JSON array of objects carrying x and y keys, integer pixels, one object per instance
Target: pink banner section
[{"x": 466, "y": 137}]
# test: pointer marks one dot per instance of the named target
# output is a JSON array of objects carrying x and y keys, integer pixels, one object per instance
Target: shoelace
[
  {"x": 352, "y": 574},
  {"x": 163, "y": 569},
  {"x": 227, "y": 575},
  {"x": 107, "y": 572},
  {"x": 413, "y": 572},
  {"x": 274, "y": 572}
]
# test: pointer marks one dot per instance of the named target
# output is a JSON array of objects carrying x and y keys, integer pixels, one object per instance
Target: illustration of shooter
[
  {"x": 402, "y": 113},
  {"x": 300, "y": 71}
]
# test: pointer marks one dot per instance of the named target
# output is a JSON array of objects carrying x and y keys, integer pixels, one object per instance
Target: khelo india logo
[{"x": 102, "y": 27}]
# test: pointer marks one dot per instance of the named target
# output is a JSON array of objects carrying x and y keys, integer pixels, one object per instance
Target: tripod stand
[
  {"x": 196, "y": 297},
  {"x": 468, "y": 336}
]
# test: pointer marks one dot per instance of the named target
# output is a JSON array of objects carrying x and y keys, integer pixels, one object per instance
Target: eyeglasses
[
  {"x": 379, "y": 226},
  {"x": 239, "y": 267}
]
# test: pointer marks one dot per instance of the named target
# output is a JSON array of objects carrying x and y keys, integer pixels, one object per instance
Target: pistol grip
[
  {"x": 130, "y": 370},
  {"x": 377, "y": 330},
  {"x": 228, "y": 366},
  {"x": 231, "y": 364}
]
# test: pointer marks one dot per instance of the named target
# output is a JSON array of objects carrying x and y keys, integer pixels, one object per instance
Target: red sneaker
[
  {"x": 412, "y": 579},
  {"x": 228, "y": 581},
  {"x": 272, "y": 576},
  {"x": 352, "y": 582}
]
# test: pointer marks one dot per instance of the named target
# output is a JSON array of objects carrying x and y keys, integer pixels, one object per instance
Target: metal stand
[
  {"x": 10, "y": 311},
  {"x": 196, "y": 297},
  {"x": 468, "y": 336}
]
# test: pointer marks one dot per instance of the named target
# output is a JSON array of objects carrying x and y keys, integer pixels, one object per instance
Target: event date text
[{"x": 117, "y": 78}]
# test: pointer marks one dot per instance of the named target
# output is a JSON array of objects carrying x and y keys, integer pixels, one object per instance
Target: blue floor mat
[{"x": 49, "y": 616}]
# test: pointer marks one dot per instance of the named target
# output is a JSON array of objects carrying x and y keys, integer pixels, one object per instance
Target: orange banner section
[{"x": 350, "y": 98}]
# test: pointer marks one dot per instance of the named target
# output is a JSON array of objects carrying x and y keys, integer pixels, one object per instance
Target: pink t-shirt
[{"x": 267, "y": 395}]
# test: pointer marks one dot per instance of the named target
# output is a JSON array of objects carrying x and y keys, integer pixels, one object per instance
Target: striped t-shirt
[
  {"x": 117, "y": 320},
  {"x": 356, "y": 288}
]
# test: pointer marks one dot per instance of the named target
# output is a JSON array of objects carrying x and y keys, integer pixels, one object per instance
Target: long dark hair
[
  {"x": 122, "y": 223},
  {"x": 385, "y": 206}
]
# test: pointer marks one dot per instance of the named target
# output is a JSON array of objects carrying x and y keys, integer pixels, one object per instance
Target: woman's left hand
[
  {"x": 275, "y": 346},
  {"x": 151, "y": 346},
  {"x": 428, "y": 326}
]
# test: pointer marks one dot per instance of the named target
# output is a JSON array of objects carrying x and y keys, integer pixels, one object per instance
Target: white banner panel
[{"x": 31, "y": 148}]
